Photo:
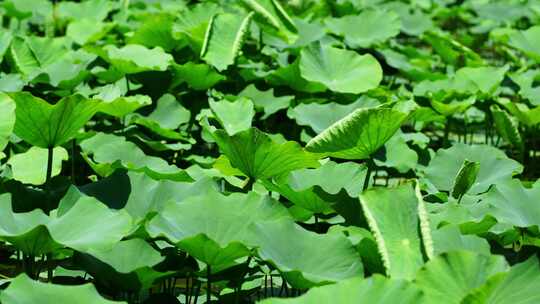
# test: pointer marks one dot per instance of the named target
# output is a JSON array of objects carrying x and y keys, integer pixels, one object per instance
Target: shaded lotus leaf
[
  {"x": 213, "y": 227},
  {"x": 367, "y": 28},
  {"x": 399, "y": 222},
  {"x": 340, "y": 70},
  {"x": 321, "y": 116},
  {"x": 120, "y": 268},
  {"x": 107, "y": 152},
  {"x": 30, "y": 167},
  {"x": 495, "y": 166},
  {"x": 135, "y": 58},
  {"x": 224, "y": 38},
  {"x": 511, "y": 203},
  {"x": 501, "y": 288},
  {"x": 265, "y": 100},
  {"x": 398, "y": 154},
  {"x": 45, "y": 125},
  {"x": 290, "y": 75},
  {"x": 451, "y": 276},
  {"x": 155, "y": 30},
  {"x": 359, "y": 134},
  {"x": 255, "y": 154},
  {"x": 522, "y": 112},
  {"x": 17, "y": 293},
  {"x": 376, "y": 289},
  {"x": 304, "y": 258},
  {"x": 198, "y": 76},
  {"x": 7, "y": 120},
  {"x": 234, "y": 116}
]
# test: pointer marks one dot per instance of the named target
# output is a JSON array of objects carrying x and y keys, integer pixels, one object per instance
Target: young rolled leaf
[
  {"x": 465, "y": 178},
  {"x": 224, "y": 38},
  {"x": 394, "y": 215},
  {"x": 340, "y": 70},
  {"x": 255, "y": 154},
  {"x": 45, "y": 125},
  {"x": 273, "y": 13},
  {"x": 18, "y": 293},
  {"x": 359, "y": 134},
  {"x": 507, "y": 127}
]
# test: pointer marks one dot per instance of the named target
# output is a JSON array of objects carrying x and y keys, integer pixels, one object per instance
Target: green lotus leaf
[
  {"x": 449, "y": 238},
  {"x": 193, "y": 22},
  {"x": 17, "y": 293},
  {"x": 45, "y": 125},
  {"x": 400, "y": 242},
  {"x": 119, "y": 106},
  {"x": 30, "y": 167},
  {"x": 527, "y": 41},
  {"x": 135, "y": 58},
  {"x": 290, "y": 75},
  {"x": 155, "y": 31},
  {"x": 514, "y": 204},
  {"x": 255, "y": 154},
  {"x": 120, "y": 268},
  {"x": 11, "y": 82},
  {"x": 86, "y": 30},
  {"x": 367, "y": 28},
  {"x": 495, "y": 166},
  {"x": 527, "y": 87},
  {"x": 449, "y": 277},
  {"x": 340, "y": 70},
  {"x": 501, "y": 288},
  {"x": 224, "y": 38},
  {"x": 453, "y": 107},
  {"x": 69, "y": 70},
  {"x": 522, "y": 112},
  {"x": 213, "y": 227},
  {"x": 109, "y": 151},
  {"x": 265, "y": 100},
  {"x": 321, "y": 116},
  {"x": 169, "y": 112},
  {"x": 234, "y": 116},
  {"x": 5, "y": 41},
  {"x": 87, "y": 224},
  {"x": 273, "y": 13},
  {"x": 31, "y": 55},
  {"x": 398, "y": 154},
  {"x": 96, "y": 10},
  {"x": 359, "y": 134},
  {"x": 7, "y": 120},
  {"x": 376, "y": 289},
  {"x": 198, "y": 76},
  {"x": 306, "y": 259}
]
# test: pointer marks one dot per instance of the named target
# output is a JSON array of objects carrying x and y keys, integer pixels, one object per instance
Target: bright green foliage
[
  {"x": 394, "y": 215},
  {"x": 134, "y": 58},
  {"x": 45, "y": 125},
  {"x": 465, "y": 178},
  {"x": 17, "y": 293},
  {"x": 359, "y": 134},
  {"x": 234, "y": 116},
  {"x": 224, "y": 39},
  {"x": 30, "y": 167},
  {"x": 255, "y": 154},
  {"x": 7, "y": 119},
  {"x": 340, "y": 70},
  {"x": 378, "y": 288}
]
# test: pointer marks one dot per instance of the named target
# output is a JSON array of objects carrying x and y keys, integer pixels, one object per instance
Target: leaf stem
[
  {"x": 50, "y": 151},
  {"x": 369, "y": 164},
  {"x": 208, "y": 283}
]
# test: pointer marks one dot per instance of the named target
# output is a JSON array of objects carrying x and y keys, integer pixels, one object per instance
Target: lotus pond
[{"x": 268, "y": 151}]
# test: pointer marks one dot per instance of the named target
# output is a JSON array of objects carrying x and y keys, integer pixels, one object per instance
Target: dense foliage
[{"x": 348, "y": 151}]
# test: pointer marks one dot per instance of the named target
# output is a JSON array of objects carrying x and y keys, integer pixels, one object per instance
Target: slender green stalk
[
  {"x": 73, "y": 148},
  {"x": 49, "y": 258},
  {"x": 369, "y": 164},
  {"x": 208, "y": 284}
]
